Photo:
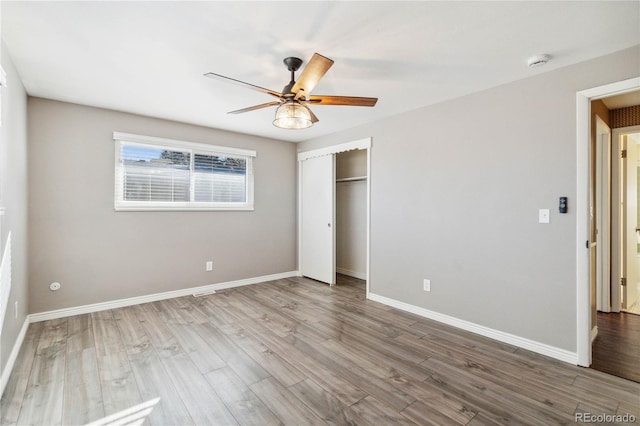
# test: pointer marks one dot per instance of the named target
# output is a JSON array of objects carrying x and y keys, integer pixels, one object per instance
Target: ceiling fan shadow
[{"x": 381, "y": 69}]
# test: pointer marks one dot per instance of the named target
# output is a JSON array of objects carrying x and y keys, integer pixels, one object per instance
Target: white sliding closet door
[{"x": 317, "y": 216}]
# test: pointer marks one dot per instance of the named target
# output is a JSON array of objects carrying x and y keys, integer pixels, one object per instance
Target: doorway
[
  {"x": 351, "y": 213},
  {"x": 585, "y": 302},
  {"x": 616, "y": 345},
  {"x": 331, "y": 168}
]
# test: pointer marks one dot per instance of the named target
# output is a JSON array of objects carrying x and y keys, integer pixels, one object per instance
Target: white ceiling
[
  {"x": 623, "y": 101},
  {"x": 149, "y": 57}
]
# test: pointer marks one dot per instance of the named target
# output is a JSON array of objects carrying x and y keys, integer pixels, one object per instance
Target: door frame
[
  {"x": 583, "y": 137},
  {"x": 332, "y": 150}
]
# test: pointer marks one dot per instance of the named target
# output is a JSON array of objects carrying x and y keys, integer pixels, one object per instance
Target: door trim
[
  {"x": 583, "y": 133},
  {"x": 332, "y": 150},
  {"x": 335, "y": 149}
]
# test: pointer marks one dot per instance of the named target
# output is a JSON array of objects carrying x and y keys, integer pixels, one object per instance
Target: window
[{"x": 163, "y": 174}]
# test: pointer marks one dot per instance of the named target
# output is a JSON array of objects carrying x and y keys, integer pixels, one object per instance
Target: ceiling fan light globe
[{"x": 292, "y": 115}]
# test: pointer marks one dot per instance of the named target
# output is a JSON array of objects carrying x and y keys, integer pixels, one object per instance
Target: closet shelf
[{"x": 352, "y": 179}]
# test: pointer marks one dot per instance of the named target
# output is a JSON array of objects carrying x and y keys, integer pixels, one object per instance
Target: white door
[
  {"x": 603, "y": 215},
  {"x": 632, "y": 226},
  {"x": 317, "y": 217}
]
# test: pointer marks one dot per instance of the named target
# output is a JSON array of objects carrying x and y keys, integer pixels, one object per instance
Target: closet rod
[{"x": 352, "y": 179}]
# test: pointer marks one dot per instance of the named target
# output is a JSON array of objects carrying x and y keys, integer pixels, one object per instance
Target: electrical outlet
[
  {"x": 209, "y": 265},
  {"x": 427, "y": 285}
]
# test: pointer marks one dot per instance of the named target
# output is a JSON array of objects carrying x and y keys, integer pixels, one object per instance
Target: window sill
[{"x": 181, "y": 208}]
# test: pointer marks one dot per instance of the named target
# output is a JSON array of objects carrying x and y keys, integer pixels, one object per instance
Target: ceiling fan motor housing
[{"x": 293, "y": 64}]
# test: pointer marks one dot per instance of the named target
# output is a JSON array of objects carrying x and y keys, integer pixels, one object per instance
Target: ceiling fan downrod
[{"x": 292, "y": 64}]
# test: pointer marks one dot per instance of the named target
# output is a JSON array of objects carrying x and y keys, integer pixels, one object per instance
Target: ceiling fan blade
[
  {"x": 255, "y": 107},
  {"x": 311, "y": 74},
  {"x": 242, "y": 83},
  {"x": 314, "y": 119},
  {"x": 342, "y": 100}
]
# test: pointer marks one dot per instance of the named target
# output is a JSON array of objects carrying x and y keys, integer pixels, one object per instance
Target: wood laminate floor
[
  {"x": 616, "y": 349},
  {"x": 293, "y": 352}
]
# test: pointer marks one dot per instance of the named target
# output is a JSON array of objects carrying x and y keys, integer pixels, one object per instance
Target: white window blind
[
  {"x": 219, "y": 178},
  {"x": 164, "y": 174}
]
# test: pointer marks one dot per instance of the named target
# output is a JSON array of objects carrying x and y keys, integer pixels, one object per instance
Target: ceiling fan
[{"x": 293, "y": 102}]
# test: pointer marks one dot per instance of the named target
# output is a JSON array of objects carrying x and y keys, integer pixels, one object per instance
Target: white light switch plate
[
  {"x": 543, "y": 216},
  {"x": 426, "y": 284}
]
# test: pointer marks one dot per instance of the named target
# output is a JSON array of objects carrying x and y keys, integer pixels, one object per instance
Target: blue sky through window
[{"x": 141, "y": 153}]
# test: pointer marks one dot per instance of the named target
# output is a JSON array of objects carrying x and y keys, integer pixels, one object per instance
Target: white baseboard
[
  {"x": 95, "y": 307},
  {"x": 354, "y": 274},
  {"x": 594, "y": 333},
  {"x": 8, "y": 368},
  {"x": 531, "y": 345}
]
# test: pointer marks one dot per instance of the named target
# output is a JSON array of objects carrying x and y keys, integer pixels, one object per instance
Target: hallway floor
[{"x": 616, "y": 350}]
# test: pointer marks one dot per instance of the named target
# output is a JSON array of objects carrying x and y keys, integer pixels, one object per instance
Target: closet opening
[
  {"x": 334, "y": 187},
  {"x": 351, "y": 213}
]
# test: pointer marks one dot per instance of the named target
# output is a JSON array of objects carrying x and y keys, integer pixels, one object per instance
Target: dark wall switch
[{"x": 562, "y": 207}]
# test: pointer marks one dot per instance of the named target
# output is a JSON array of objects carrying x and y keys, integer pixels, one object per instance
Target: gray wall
[
  {"x": 98, "y": 254},
  {"x": 456, "y": 189},
  {"x": 13, "y": 197}
]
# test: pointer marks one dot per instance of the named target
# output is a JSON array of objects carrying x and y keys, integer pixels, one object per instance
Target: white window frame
[{"x": 198, "y": 148}]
